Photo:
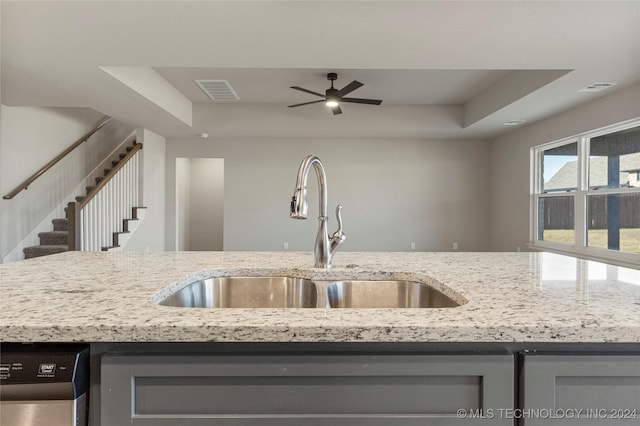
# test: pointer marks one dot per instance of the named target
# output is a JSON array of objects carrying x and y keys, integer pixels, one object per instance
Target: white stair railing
[{"x": 94, "y": 220}]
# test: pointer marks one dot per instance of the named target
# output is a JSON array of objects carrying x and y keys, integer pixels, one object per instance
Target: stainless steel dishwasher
[{"x": 44, "y": 385}]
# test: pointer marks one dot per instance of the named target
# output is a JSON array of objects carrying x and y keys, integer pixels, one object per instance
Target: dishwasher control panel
[{"x": 60, "y": 371}]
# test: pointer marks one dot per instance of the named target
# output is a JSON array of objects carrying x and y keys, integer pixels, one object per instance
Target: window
[{"x": 586, "y": 195}]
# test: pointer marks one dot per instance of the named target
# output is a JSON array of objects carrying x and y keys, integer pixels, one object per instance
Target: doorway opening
[{"x": 199, "y": 204}]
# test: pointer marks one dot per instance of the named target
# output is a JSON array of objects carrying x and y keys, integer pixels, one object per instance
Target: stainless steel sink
[
  {"x": 245, "y": 292},
  {"x": 288, "y": 292},
  {"x": 386, "y": 294}
]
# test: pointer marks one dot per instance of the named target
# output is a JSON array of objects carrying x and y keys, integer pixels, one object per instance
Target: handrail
[
  {"x": 137, "y": 147},
  {"x": 24, "y": 185}
]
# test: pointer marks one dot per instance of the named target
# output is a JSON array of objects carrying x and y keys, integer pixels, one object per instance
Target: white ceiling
[
  {"x": 399, "y": 87},
  {"x": 444, "y": 69}
]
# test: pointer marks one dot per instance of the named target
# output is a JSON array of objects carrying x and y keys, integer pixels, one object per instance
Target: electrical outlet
[
  {"x": 455, "y": 246},
  {"x": 413, "y": 246},
  {"x": 285, "y": 245}
]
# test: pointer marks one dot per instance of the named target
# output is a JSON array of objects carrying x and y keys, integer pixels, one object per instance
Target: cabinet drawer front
[
  {"x": 304, "y": 389},
  {"x": 581, "y": 390}
]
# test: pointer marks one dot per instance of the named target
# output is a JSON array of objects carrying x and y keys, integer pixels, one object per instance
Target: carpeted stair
[
  {"x": 57, "y": 241},
  {"x": 51, "y": 242}
]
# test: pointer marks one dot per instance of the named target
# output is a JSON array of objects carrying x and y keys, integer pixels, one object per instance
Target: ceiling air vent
[
  {"x": 218, "y": 90},
  {"x": 596, "y": 87}
]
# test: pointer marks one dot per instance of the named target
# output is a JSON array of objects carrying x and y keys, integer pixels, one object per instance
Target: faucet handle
[
  {"x": 339, "y": 217},
  {"x": 338, "y": 237}
]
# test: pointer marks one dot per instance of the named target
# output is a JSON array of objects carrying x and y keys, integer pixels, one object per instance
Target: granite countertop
[{"x": 510, "y": 297}]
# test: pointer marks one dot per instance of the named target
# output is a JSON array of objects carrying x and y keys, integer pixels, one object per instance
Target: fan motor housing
[{"x": 330, "y": 91}]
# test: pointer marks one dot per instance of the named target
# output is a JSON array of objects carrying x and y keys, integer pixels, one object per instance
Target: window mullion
[
  {"x": 580, "y": 201},
  {"x": 535, "y": 188}
]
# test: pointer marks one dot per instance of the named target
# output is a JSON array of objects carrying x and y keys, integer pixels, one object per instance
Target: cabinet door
[
  {"x": 309, "y": 390},
  {"x": 581, "y": 390}
]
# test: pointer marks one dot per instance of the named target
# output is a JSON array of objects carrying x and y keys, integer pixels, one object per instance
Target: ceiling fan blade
[
  {"x": 349, "y": 88},
  {"x": 307, "y": 91},
  {"x": 305, "y": 103},
  {"x": 336, "y": 110},
  {"x": 362, "y": 101}
]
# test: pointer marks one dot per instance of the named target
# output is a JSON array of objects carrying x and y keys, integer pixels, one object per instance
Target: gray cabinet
[
  {"x": 308, "y": 390},
  {"x": 585, "y": 390}
]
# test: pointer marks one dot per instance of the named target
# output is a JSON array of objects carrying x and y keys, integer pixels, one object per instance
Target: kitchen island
[{"x": 560, "y": 323}]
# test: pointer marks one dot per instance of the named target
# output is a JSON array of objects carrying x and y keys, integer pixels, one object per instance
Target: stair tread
[
  {"x": 60, "y": 224},
  {"x": 37, "y": 251},
  {"x": 53, "y": 233},
  {"x": 50, "y": 238}
]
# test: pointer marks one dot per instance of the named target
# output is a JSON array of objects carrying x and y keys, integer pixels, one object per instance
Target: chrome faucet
[{"x": 325, "y": 247}]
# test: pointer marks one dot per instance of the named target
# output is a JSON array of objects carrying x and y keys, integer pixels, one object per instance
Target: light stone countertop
[{"x": 511, "y": 297}]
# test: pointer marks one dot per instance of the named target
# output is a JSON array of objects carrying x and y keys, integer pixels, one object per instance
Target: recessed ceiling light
[
  {"x": 514, "y": 122},
  {"x": 596, "y": 87}
]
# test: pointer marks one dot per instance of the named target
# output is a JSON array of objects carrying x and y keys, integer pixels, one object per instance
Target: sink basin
[
  {"x": 245, "y": 292},
  {"x": 386, "y": 294},
  {"x": 291, "y": 292}
]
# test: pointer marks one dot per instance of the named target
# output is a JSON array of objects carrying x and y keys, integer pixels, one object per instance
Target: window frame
[{"x": 579, "y": 248}]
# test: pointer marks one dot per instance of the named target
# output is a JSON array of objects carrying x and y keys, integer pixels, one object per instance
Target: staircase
[{"x": 57, "y": 240}]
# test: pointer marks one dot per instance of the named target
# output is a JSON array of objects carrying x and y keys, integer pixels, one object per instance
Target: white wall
[
  {"x": 510, "y": 186},
  {"x": 394, "y": 192},
  {"x": 29, "y": 138},
  {"x": 150, "y": 235}
]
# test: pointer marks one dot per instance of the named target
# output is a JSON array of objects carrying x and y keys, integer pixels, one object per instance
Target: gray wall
[
  {"x": 206, "y": 225},
  {"x": 182, "y": 202},
  {"x": 394, "y": 192},
  {"x": 199, "y": 203},
  {"x": 510, "y": 178}
]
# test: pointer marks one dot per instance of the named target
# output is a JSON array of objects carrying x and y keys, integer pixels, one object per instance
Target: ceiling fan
[{"x": 333, "y": 97}]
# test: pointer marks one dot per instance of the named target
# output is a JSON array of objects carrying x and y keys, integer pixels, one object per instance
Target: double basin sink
[{"x": 288, "y": 292}]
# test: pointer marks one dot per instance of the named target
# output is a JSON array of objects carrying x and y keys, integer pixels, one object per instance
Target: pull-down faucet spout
[{"x": 325, "y": 247}]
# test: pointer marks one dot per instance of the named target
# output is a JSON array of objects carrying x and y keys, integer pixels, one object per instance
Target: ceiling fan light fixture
[
  {"x": 333, "y": 97},
  {"x": 331, "y": 102}
]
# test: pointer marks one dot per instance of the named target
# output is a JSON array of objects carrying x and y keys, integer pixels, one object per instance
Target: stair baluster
[{"x": 95, "y": 221}]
